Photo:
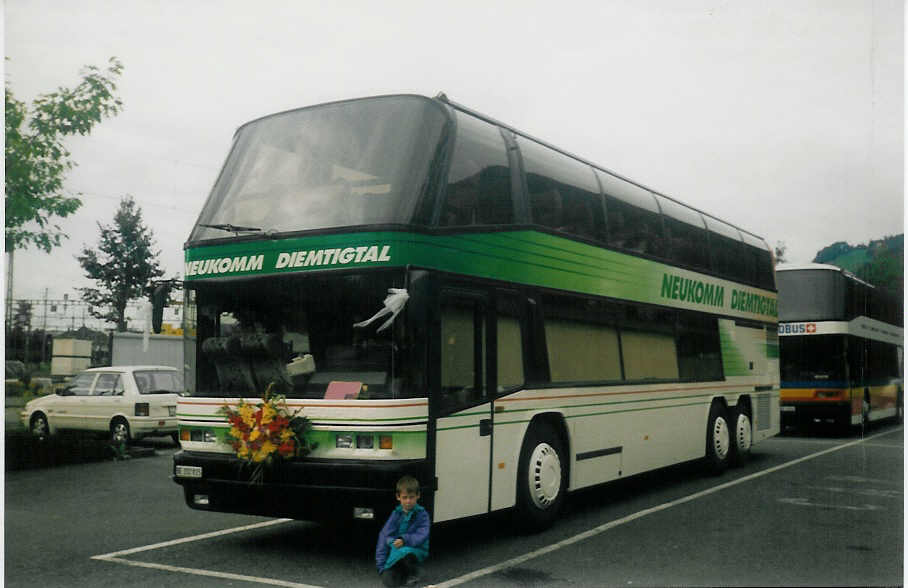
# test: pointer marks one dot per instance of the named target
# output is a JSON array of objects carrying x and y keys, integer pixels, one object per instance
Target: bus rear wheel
[
  {"x": 541, "y": 478},
  {"x": 718, "y": 439},
  {"x": 743, "y": 435}
]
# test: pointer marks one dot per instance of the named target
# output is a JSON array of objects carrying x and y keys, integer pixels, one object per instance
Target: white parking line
[
  {"x": 632, "y": 517},
  {"x": 116, "y": 556}
]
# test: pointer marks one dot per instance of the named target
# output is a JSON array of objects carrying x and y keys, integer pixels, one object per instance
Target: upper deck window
[
  {"x": 479, "y": 180},
  {"x": 726, "y": 250},
  {"x": 563, "y": 193},
  {"x": 811, "y": 295},
  {"x": 685, "y": 235},
  {"x": 632, "y": 216},
  {"x": 341, "y": 164}
]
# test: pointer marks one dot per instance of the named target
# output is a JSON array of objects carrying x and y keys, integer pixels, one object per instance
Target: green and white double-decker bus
[
  {"x": 840, "y": 348},
  {"x": 546, "y": 325}
]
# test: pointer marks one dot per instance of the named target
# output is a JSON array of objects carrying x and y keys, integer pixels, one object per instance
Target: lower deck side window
[{"x": 589, "y": 340}]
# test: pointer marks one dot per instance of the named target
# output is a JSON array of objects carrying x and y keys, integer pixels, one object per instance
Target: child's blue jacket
[{"x": 412, "y": 527}]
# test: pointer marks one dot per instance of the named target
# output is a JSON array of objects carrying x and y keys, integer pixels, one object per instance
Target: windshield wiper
[{"x": 232, "y": 228}]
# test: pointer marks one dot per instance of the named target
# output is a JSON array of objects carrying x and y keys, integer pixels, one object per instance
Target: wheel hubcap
[
  {"x": 545, "y": 475},
  {"x": 721, "y": 438},
  {"x": 119, "y": 432},
  {"x": 743, "y": 434},
  {"x": 39, "y": 427}
]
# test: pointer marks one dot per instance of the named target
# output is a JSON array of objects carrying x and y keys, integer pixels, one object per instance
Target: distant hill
[{"x": 880, "y": 262}]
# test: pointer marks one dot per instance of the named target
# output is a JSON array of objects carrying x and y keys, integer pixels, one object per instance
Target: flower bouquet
[{"x": 265, "y": 432}]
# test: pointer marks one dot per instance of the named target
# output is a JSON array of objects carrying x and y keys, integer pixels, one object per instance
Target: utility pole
[{"x": 44, "y": 331}]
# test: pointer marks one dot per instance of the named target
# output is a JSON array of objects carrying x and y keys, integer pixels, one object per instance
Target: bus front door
[{"x": 464, "y": 426}]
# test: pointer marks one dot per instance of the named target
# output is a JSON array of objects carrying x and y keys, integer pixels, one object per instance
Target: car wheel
[
  {"x": 38, "y": 426},
  {"x": 718, "y": 439},
  {"x": 541, "y": 478},
  {"x": 743, "y": 435},
  {"x": 119, "y": 431}
]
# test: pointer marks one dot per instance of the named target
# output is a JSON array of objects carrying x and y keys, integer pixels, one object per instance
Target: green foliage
[
  {"x": 124, "y": 266},
  {"x": 829, "y": 253},
  {"x": 880, "y": 262},
  {"x": 37, "y": 160},
  {"x": 22, "y": 317}
]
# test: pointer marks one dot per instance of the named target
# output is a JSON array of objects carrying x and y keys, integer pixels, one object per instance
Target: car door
[
  {"x": 68, "y": 406},
  {"x": 106, "y": 400}
]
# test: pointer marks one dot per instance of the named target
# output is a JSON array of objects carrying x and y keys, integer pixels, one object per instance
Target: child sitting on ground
[{"x": 404, "y": 540}]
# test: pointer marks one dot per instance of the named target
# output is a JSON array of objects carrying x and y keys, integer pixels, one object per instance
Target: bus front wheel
[
  {"x": 718, "y": 439},
  {"x": 541, "y": 478}
]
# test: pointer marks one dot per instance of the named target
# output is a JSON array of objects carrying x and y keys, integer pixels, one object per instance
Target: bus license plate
[{"x": 188, "y": 471}]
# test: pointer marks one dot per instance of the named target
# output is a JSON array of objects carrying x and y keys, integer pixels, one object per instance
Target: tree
[
  {"x": 780, "y": 251},
  {"x": 124, "y": 266},
  {"x": 22, "y": 319},
  {"x": 37, "y": 160}
]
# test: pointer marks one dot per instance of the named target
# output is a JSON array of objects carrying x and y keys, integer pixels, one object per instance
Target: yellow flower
[
  {"x": 268, "y": 414},
  {"x": 236, "y": 433},
  {"x": 286, "y": 434},
  {"x": 254, "y": 434},
  {"x": 266, "y": 449},
  {"x": 243, "y": 451},
  {"x": 246, "y": 412}
]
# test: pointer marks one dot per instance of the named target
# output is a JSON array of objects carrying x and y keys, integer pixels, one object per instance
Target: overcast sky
[{"x": 785, "y": 117}]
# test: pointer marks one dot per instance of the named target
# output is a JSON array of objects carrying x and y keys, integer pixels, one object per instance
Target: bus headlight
[{"x": 198, "y": 435}]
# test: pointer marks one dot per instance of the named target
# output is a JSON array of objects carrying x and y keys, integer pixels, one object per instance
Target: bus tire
[
  {"x": 742, "y": 435},
  {"x": 718, "y": 439},
  {"x": 541, "y": 478}
]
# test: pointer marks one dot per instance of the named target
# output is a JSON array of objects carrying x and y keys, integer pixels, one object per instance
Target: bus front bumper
[
  {"x": 319, "y": 490},
  {"x": 799, "y": 413}
]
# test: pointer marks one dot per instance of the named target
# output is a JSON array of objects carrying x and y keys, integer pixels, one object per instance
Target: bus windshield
[
  {"x": 298, "y": 336},
  {"x": 341, "y": 164},
  {"x": 813, "y": 358}
]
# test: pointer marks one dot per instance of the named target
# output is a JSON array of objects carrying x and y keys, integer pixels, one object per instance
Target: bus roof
[
  {"x": 787, "y": 267},
  {"x": 442, "y": 98}
]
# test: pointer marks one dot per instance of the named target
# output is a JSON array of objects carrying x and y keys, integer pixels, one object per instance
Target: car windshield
[
  {"x": 158, "y": 382},
  {"x": 299, "y": 336},
  {"x": 347, "y": 163}
]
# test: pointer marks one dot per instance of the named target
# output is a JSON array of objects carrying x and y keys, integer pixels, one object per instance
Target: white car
[{"x": 125, "y": 402}]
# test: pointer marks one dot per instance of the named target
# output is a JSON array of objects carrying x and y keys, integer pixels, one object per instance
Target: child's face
[{"x": 407, "y": 499}]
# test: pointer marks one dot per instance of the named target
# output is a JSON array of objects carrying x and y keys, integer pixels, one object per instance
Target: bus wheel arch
[
  {"x": 741, "y": 423},
  {"x": 718, "y": 437},
  {"x": 542, "y": 472}
]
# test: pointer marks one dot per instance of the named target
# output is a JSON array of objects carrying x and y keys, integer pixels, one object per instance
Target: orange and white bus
[
  {"x": 840, "y": 348},
  {"x": 544, "y": 324}
]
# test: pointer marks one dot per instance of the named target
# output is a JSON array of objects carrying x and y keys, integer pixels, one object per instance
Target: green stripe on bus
[{"x": 523, "y": 257}]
